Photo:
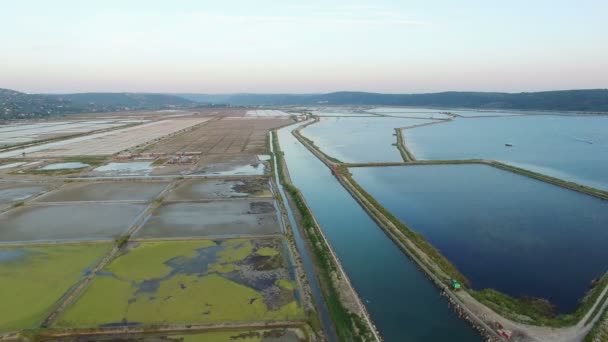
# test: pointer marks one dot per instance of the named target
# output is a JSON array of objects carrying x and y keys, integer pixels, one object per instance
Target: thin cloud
[{"x": 321, "y": 17}]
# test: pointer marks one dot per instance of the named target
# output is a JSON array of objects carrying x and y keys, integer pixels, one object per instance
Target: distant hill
[
  {"x": 113, "y": 101},
  {"x": 16, "y": 105},
  {"x": 595, "y": 100}
]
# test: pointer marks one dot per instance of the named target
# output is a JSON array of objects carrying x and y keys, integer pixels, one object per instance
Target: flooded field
[
  {"x": 226, "y": 165},
  {"x": 359, "y": 139},
  {"x": 124, "y": 169},
  {"x": 193, "y": 189},
  {"x": 105, "y": 191},
  {"x": 182, "y": 282},
  {"x": 33, "y": 279},
  {"x": 93, "y": 221},
  {"x": 477, "y": 216},
  {"x": 218, "y": 218},
  {"x": 573, "y": 148},
  {"x": 13, "y": 193},
  {"x": 64, "y": 166}
]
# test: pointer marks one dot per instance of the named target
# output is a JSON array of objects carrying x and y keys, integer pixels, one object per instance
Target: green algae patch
[
  {"x": 148, "y": 259},
  {"x": 286, "y": 284},
  {"x": 34, "y": 278},
  {"x": 186, "y": 282},
  {"x": 267, "y": 251}
]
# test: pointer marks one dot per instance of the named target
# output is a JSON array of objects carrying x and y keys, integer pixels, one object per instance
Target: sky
[{"x": 314, "y": 46}]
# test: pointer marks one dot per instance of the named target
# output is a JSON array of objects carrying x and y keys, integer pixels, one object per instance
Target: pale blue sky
[{"x": 302, "y": 46}]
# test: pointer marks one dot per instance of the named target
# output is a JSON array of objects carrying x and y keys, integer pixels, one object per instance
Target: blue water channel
[
  {"x": 402, "y": 302},
  {"x": 501, "y": 230}
]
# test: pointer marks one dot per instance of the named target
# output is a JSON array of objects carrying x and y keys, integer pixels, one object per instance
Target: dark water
[
  {"x": 404, "y": 305},
  {"x": 574, "y": 148},
  {"x": 502, "y": 230}
]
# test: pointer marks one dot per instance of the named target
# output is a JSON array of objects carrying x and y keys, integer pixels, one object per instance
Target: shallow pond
[
  {"x": 403, "y": 303},
  {"x": 218, "y": 218},
  {"x": 125, "y": 169},
  {"x": 105, "y": 191},
  {"x": 64, "y": 166},
  {"x": 574, "y": 148},
  {"x": 68, "y": 222},
  {"x": 502, "y": 230},
  {"x": 359, "y": 139}
]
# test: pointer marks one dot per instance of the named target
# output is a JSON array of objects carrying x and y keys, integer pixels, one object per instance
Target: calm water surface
[
  {"x": 404, "y": 305},
  {"x": 574, "y": 148},
  {"x": 365, "y": 139},
  {"x": 502, "y": 230}
]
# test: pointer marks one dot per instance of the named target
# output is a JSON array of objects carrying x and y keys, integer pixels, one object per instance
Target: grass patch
[
  {"x": 267, "y": 251},
  {"x": 538, "y": 311},
  {"x": 33, "y": 279},
  {"x": 91, "y": 160},
  {"x": 599, "y": 332}
]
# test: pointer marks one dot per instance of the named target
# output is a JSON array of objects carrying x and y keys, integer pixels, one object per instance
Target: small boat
[{"x": 509, "y": 145}]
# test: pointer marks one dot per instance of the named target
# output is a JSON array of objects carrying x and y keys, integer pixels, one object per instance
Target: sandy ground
[{"x": 223, "y": 136}]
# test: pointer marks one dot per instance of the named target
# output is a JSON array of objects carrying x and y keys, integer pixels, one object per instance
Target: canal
[{"x": 403, "y": 303}]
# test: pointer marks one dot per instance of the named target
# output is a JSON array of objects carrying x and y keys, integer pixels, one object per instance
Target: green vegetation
[
  {"x": 267, "y": 251},
  {"x": 122, "y": 240},
  {"x": 176, "y": 282},
  {"x": 556, "y": 181},
  {"x": 599, "y": 332},
  {"x": 18, "y": 204},
  {"x": 405, "y": 153},
  {"x": 349, "y": 326},
  {"x": 34, "y": 278},
  {"x": 91, "y": 160},
  {"x": 597, "y": 309},
  {"x": 538, "y": 311}
]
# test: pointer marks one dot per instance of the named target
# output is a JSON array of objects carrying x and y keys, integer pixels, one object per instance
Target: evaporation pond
[
  {"x": 91, "y": 221},
  {"x": 186, "y": 282},
  {"x": 64, "y": 166},
  {"x": 359, "y": 140},
  {"x": 124, "y": 169},
  {"x": 16, "y": 192},
  {"x": 233, "y": 217},
  {"x": 501, "y": 230},
  {"x": 105, "y": 191},
  {"x": 33, "y": 279},
  {"x": 574, "y": 148},
  {"x": 196, "y": 189}
]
